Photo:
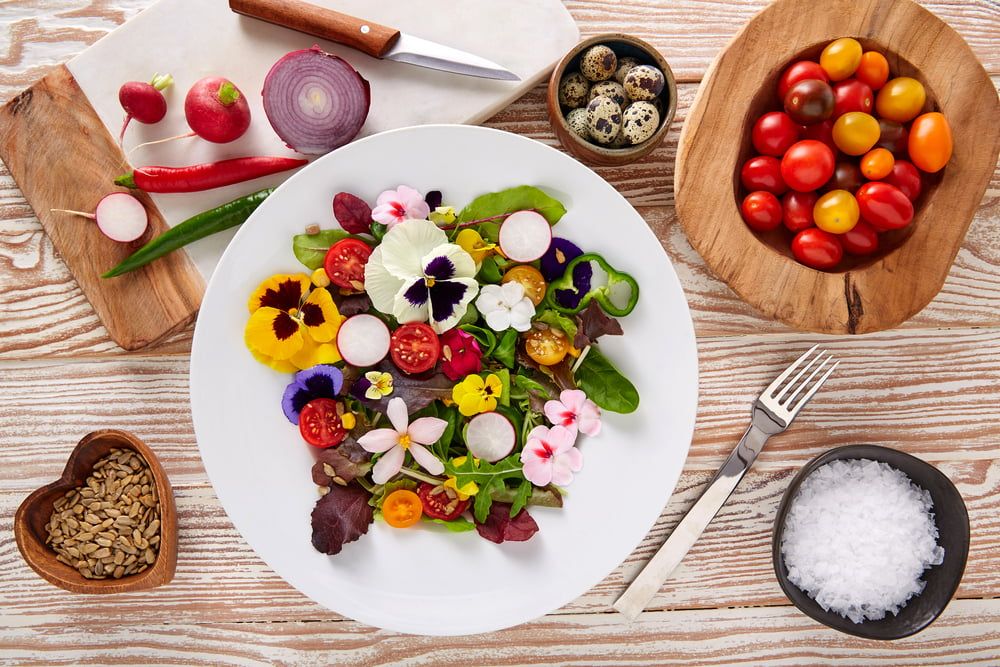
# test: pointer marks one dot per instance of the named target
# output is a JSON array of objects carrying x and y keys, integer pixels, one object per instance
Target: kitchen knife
[{"x": 376, "y": 40}]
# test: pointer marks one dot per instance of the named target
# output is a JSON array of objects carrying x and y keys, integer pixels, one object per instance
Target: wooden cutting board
[{"x": 57, "y": 137}]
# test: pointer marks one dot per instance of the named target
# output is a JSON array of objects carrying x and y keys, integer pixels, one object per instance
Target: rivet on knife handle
[{"x": 365, "y": 36}]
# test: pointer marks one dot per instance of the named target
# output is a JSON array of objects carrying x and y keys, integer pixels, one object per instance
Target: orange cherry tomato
[
  {"x": 877, "y": 164},
  {"x": 836, "y": 212},
  {"x": 402, "y": 508},
  {"x": 531, "y": 280},
  {"x": 873, "y": 70},
  {"x": 546, "y": 347},
  {"x": 840, "y": 58},
  {"x": 855, "y": 132},
  {"x": 901, "y": 99},
  {"x": 930, "y": 142}
]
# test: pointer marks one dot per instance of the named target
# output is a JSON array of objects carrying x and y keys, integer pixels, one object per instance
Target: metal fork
[{"x": 773, "y": 412}]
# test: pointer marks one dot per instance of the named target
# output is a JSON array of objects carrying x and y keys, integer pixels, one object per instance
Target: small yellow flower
[
  {"x": 471, "y": 242},
  {"x": 443, "y": 215},
  {"x": 381, "y": 385},
  {"x": 474, "y": 395},
  {"x": 466, "y": 490}
]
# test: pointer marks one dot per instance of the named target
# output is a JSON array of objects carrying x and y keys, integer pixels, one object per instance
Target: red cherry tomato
[
  {"x": 884, "y": 206},
  {"x": 797, "y": 210},
  {"x": 862, "y": 239},
  {"x": 807, "y": 165},
  {"x": 852, "y": 95},
  {"x": 320, "y": 425},
  {"x": 763, "y": 173},
  {"x": 905, "y": 177},
  {"x": 774, "y": 133},
  {"x": 821, "y": 132},
  {"x": 345, "y": 263},
  {"x": 414, "y": 348},
  {"x": 799, "y": 71},
  {"x": 817, "y": 249},
  {"x": 761, "y": 211},
  {"x": 441, "y": 503}
]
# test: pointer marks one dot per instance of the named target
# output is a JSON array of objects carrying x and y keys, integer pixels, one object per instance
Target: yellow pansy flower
[
  {"x": 466, "y": 490},
  {"x": 282, "y": 291},
  {"x": 381, "y": 385},
  {"x": 471, "y": 242},
  {"x": 443, "y": 215},
  {"x": 474, "y": 394}
]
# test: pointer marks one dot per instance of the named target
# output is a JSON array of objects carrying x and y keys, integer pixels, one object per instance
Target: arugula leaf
[
  {"x": 505, "y": 348},
  {"x": 521, "y": 198},
  {"x": 457, "y": 525},
  {"x": 310, "y": 249},
  {"x": 482, "y": 472},
  {"x": 520, "y": 498},
  {"x": 487, "y": 339},
  {"x": 558, "y": 321},
  {"x": 605, "y": 385},
  {"x": 483, "y": 501}
]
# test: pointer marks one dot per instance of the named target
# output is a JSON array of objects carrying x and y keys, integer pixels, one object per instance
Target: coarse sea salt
[{"x": 858, "y": 537}]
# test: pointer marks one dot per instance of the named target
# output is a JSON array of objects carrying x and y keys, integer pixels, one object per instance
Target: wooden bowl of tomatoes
[{"x": 833, "y": 161}]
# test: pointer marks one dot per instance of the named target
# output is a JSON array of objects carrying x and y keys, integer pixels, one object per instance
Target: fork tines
[{"x": 785, "y": 396}]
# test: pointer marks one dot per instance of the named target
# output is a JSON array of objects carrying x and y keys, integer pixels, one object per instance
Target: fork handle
[{"x": 665, "y": 561}]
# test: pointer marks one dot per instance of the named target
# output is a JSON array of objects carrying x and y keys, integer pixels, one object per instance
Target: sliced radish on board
[
  {"x": 525, "y": 236},
  {"x": 120, "y": 216},
  {"x": 490, "y": 436},
  {"x": 363, "y": 340}
]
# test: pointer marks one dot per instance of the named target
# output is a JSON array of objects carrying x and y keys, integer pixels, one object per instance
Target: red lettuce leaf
[
  {"x": 347, "y": 461},
  {"x": 593, "y": 323},
  {"x": 341, "y": 516},
  {"x": 353, "y": 213},
  {"x": 499, "y": 527}
]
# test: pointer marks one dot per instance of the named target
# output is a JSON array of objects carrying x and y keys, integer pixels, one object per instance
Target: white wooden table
[{"x": 931, "y": 388}]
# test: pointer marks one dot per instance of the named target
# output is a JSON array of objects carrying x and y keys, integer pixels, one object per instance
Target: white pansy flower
[{"x": 505, "y": 307}]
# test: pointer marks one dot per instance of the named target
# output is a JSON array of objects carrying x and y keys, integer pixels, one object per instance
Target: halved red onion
[{"x": 315, "y": 101}]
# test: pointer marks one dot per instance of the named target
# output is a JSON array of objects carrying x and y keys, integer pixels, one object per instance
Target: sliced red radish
[
  {"x": 120, "y": 216},
  {"x": 363, "y": 340},
  {"x": 490, "y": 436},
  {"x": 525, "y": 236}
]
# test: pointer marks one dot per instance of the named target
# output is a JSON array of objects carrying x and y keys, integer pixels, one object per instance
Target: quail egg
[
  {"x": 619, "y": 141},
  {"x": 604, "y": 119},
  {"x": 624, "y": 65},
  {"x": 640, "y": 122},
  {"x": 577, "y": 121},
  {"x": 573, "y": 90},
  {"x": 611, "y": 89},
  {"x": 598, "y": 63},
  {"x": 644, "y": 82}
]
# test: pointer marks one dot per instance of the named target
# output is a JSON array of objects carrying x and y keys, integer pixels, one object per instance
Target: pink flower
[
  {"x": 394, "y": 442},
  {"x": 460, "y": 353},
  {"x": 550, "y": 457},
  {"x": 574, "y": 411},
  {"x": 403, "y": 203}
]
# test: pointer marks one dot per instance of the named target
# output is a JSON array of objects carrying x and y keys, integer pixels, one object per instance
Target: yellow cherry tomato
[
  {"x": 901, "y": 99},
  {"x": 930, "y": 142},
  {"x": 546, "y": 347},
  {"x": 840, "y": 58},
  {"x": 873, "y": 70},
  {"x": 402, "y": 508},
  {"x": 836, "y": 212},
  {"x": 856, "y": 132},
  {"x": 531, "y": 280},
  {"x": 877, "y": 164}
]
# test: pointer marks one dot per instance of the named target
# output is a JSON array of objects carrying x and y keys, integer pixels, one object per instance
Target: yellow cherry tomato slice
[
  {"x": 877, "y": 164},
  {"x": 840, "y": 58},
  {"x": 546, "y": 347},
  {"x": 930, "y": 142},
  {"x": 531, "y": 280},
  {"x": 856, "y": 132},
  {"x": 402, "y": 508},
  {"x": 901, "y": 99},
  {"x": 836, "y": 212}
]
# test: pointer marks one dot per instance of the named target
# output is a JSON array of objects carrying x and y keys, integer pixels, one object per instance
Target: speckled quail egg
[
  {"x": 573, "y": 90},
  {"x": 644, "y": 82},
  {"x": 640, "y": 122},
  {"x": 624, "y": 65},
  {"x": 598, "y": 63},
  {"x": 619, "y": 141},
  {"x": 578, "y": 125},
  {"x": 604, "y": 119},
  {"x": 611, "y": 89}
]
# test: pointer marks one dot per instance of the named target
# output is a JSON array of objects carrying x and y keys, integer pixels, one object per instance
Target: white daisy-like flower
[{"x": 505, "y": 307}]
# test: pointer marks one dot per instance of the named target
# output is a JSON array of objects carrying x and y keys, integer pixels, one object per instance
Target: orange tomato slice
[{"x": 402, "y": 508}]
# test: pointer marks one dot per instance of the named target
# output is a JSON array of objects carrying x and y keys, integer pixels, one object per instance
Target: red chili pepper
[{"x": 198, "y": 177}]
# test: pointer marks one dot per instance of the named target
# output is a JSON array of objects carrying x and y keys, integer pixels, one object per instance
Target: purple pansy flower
[{"x": 316, "y": 382}]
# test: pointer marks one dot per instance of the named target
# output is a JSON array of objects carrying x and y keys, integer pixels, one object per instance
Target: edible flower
[
  {"x": 394, "y": 206},
  {"x": 460, "y": 354},
  {"x": 505, "y": 307},
  {"x": 393, "y": 443},
  {"x": 418, "y": 276},
  {"x": 549, "y": 456},
  {"x": 574, "y": 411},
  {"x": 380, "y": 384},
  {"x": 474, "y": 394},
  {"x": 473, "y": 243},
  {"x": 443, "y": 215},
  {"x": 317, "y": 382},
  {"x": 463, "y": 492}
]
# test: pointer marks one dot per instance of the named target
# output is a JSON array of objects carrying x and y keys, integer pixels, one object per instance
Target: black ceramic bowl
[{"x": 942, "y": 580}]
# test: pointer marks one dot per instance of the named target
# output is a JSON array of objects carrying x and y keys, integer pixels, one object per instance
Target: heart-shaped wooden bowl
[
  {"x": 34, "y": 513},
  {"x": 879, "y": 293}
]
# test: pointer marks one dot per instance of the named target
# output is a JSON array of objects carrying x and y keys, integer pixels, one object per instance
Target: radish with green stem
[
  {"x": 120, "y": 216},
  {"x": 143, "y": 101}
]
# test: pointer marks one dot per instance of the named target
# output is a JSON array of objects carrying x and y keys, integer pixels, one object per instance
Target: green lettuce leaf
[
  {"x": 310, "y": 249},
  {"x": 457, "y": 525},
  {"x": 521, "y": 198}
]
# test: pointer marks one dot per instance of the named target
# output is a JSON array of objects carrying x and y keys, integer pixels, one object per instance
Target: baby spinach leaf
[
  {"x": 310, "y": 249},
  {"x": 506, "y": 347},
  {"x": 458, "y": 525},
  {"x": 521, "y": 198},
  {"x": 443, "y": 445},
  {"x": 489, "y": 271},
  {"x": 605, "y": 385},
  {"x": 504, "y": 376},
  {"x": 487, "y": 339},
  {"x": 526, "y": 384}
]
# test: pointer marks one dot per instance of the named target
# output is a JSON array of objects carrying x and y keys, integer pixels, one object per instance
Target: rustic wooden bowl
[
  {"x": 33, "y": 516},
  {"x": 880, "y": 292},
  {"x": 622, "y": 45}
]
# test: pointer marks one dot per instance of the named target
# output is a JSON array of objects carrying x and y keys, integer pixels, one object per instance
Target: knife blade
[{"x": 376, "y": 40}]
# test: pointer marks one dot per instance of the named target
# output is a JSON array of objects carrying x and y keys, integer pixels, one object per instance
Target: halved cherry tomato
[
  {"x": 821, "y": 132},
  {"x": 817, "y": 249},
  {"x": 861, "y": 240},
  {"x": 441, "y": 503},
  {"x": 345, "y": 263},
  {"x": 320, "y": 423},
  {"x": 799, "y": 71},
  {"x": 810, "y": 101},
  {"x": 762, "y": 173},
  {"x": 846, "y": 176},
  {"x": 807, "y": 165},
  {"x": 877, "y": 163},
  {"x": 905, "y": 177},
  {"x": 414, "y": 348},
  {"x": 893, "y": 137},
  {"x": 531, "y": 280},
  {"x": 836, "y": 212},
  {"x": 402, "y": 508},
  {"x": 761, "y": 211},
  {"x": 547, "y": 347},
  {"x": 852, "y": 95},
  {"x": 855, "y": 133},
  {"x": 884, "y": 206},
  {"x": 774, "y": 133},
  {"x": 797, "y": 210},
  {"x": 841, "y": 58},
  {"x": 873, "y": 70},
  {"x": 901, "y": 99},
  {"x": 930, "y": 142}
]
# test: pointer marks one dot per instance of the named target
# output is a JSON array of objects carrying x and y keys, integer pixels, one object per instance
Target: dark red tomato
[
  {"x": 893, "y": 136},
  {"x": 414, "y": 348},
  {"x": 441, "y": 503},
  {"x": 817, "y": 249},
  {"x": 821, "y": 132},
  {"x": 320, "y": 424},
  {"x": 905, "y": 177},
  {"x": 884, "y": 206},
  {"x": 799, "y": 71},
  {"x": 797, "y": 210},
  {"x": 761, "y": 211},
  {"x": 810, "y": 101},
  {"x": 345, "y": 263},
  {"x": 763, "y": 173},
  {"x": 807, "y": 165},
  {"x": 846, "y": 176},
  {"x": 862, "y": 239},
  {"x": 852, "y": 95},
  {"x": 774, "y": 133}
]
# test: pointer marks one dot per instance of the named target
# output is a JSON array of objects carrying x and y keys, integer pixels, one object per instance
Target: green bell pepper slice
[{"x": 601, "y": 294}]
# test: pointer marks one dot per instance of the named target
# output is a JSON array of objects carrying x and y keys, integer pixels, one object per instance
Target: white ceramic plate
[{"x": 425, "y": 580}]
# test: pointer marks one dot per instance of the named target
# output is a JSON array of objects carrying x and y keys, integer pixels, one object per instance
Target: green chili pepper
[
  {"x": 204, "y": 224},
  {"x": 601, "y": 294}
]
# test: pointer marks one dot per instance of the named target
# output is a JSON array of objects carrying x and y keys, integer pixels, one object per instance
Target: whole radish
[
  {"x": 216, "y": 110},
  {"x": 143, "y": 101}
]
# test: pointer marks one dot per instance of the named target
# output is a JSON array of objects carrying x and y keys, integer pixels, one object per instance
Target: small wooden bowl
[
  {"x": 622, "y": 45},
  {"x": 34, "y": 513},
  {"x": 871, "y": 294}
]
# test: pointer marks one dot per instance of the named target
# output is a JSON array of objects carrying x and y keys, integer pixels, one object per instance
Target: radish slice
[
  {"x": 121, "y": 217},
  {"x": 363, "y": 340},
  {"x": 525, "y": 236},
  {"x": 490, "y": 436}
]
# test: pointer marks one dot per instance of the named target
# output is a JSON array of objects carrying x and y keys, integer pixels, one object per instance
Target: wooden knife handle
[{"x": 365, "y": 36}]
